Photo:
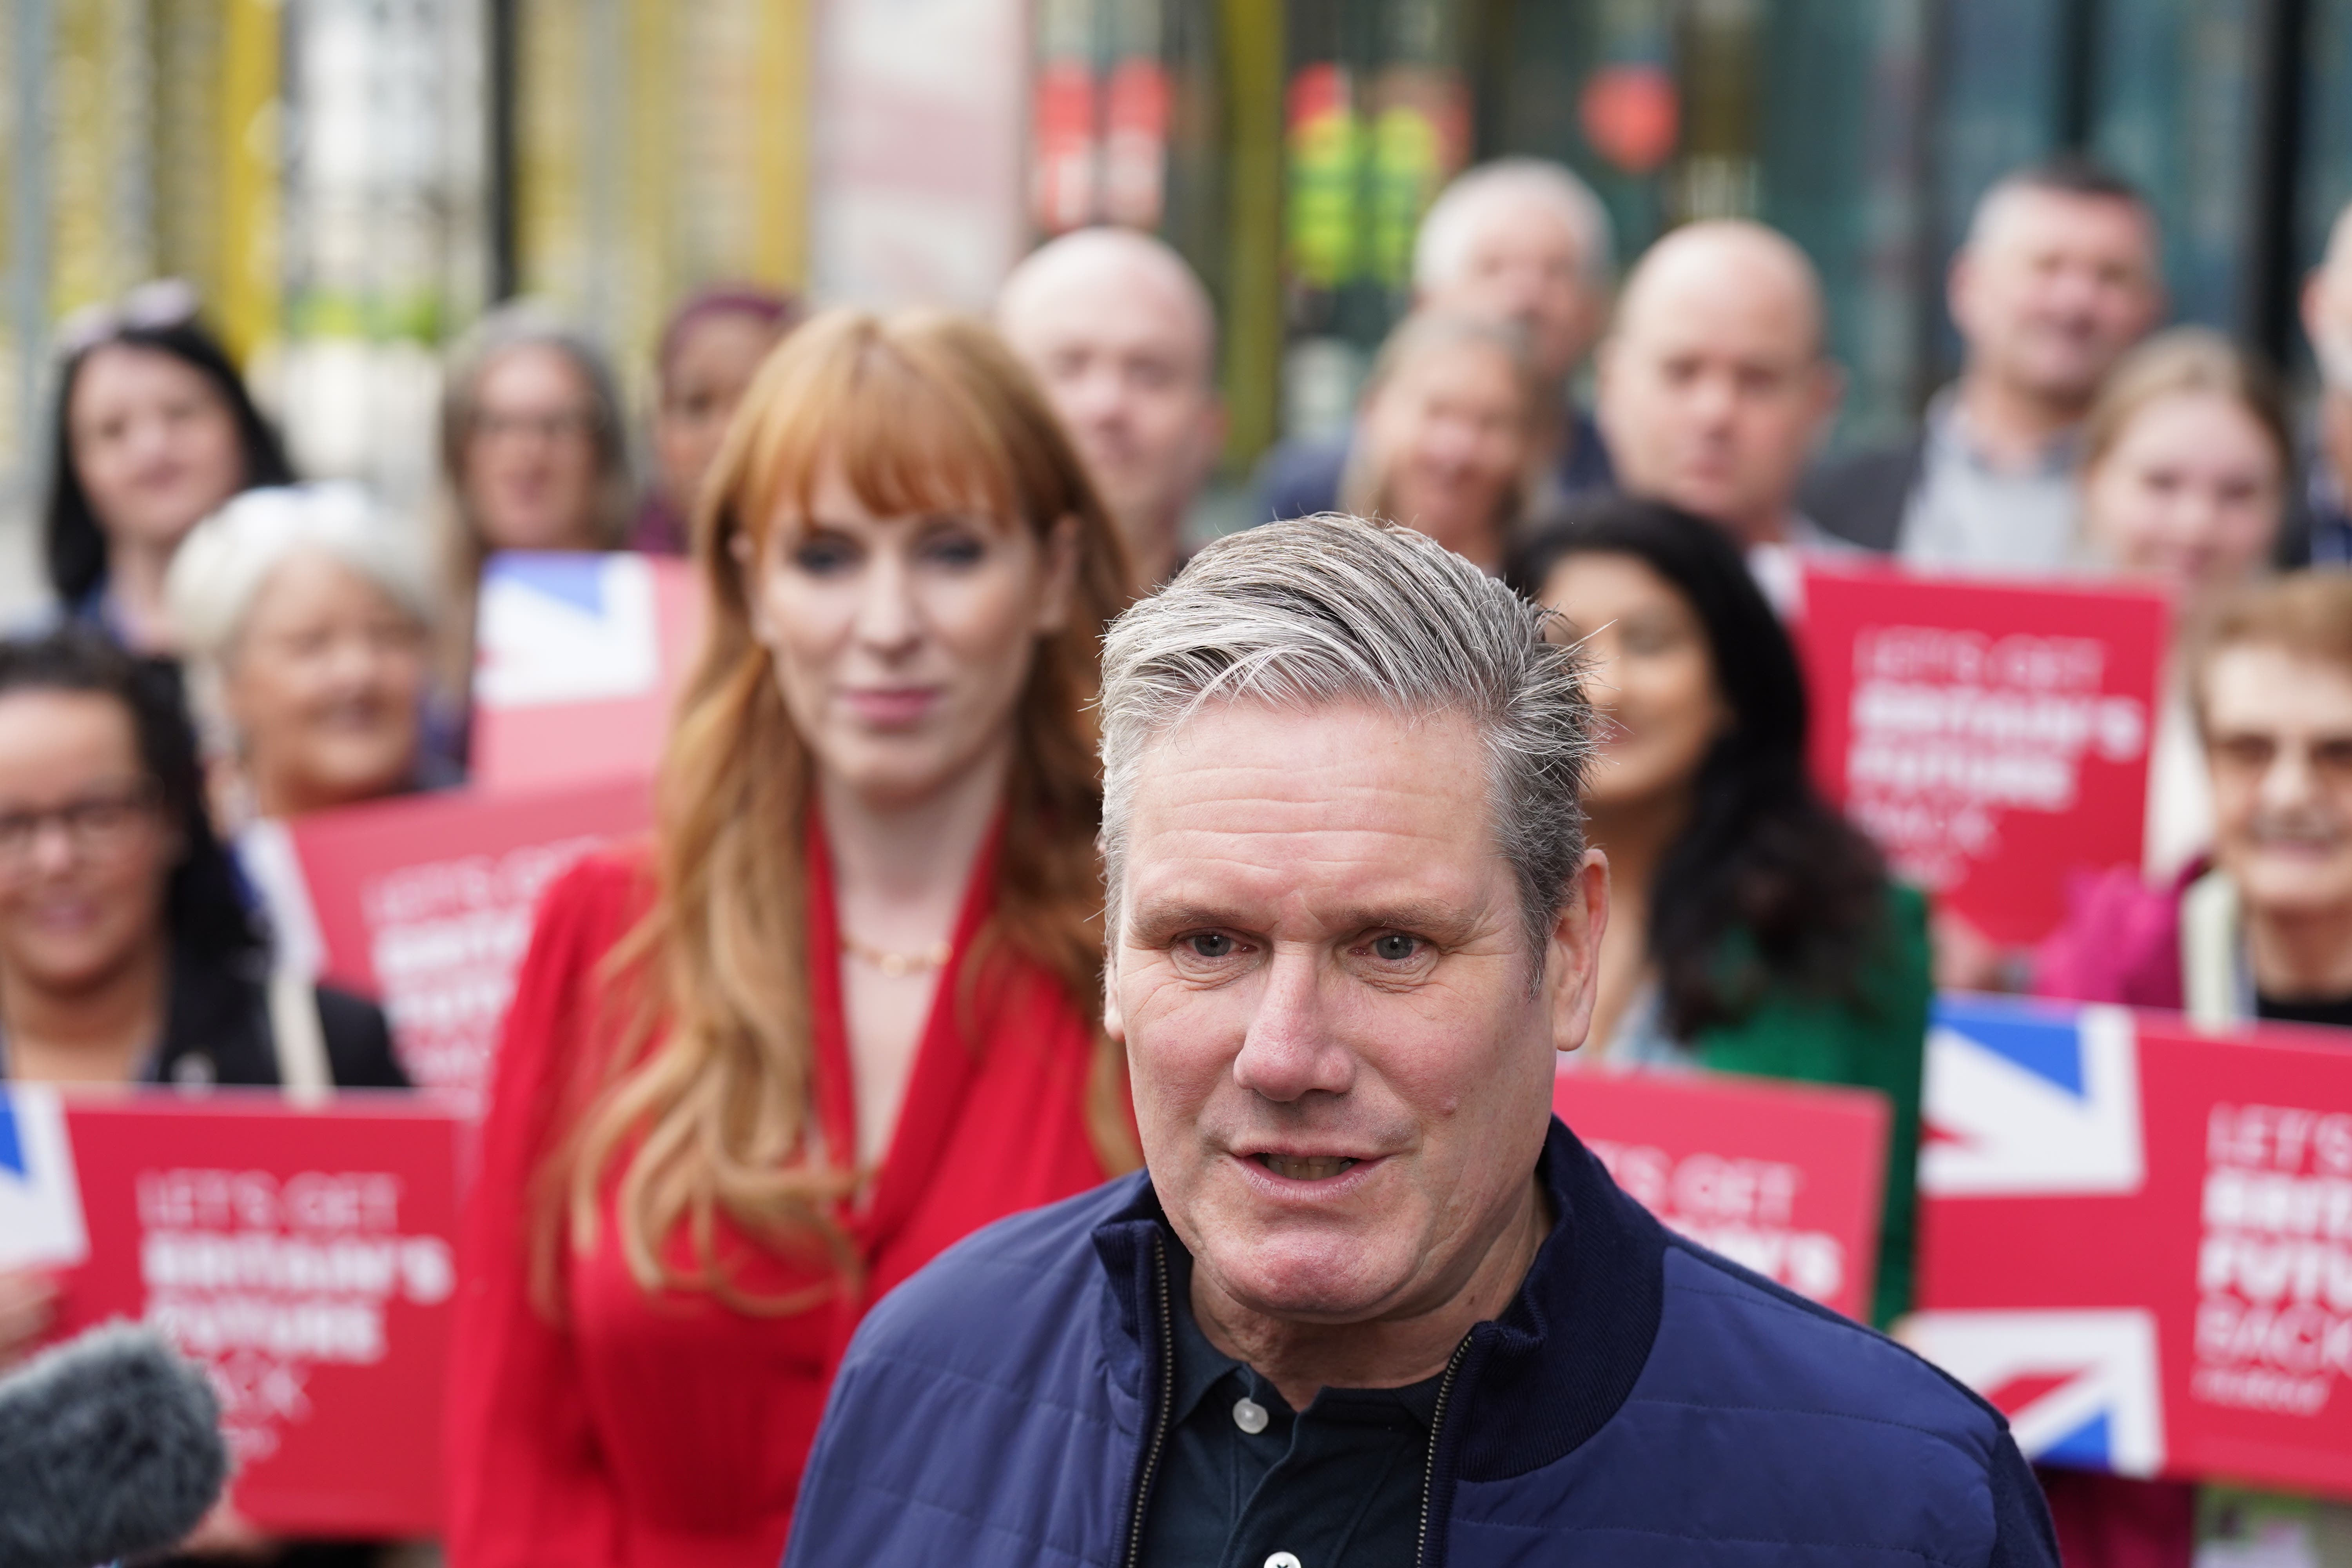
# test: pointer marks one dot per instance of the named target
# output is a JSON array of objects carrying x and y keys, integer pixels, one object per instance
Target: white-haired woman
[{"x": 306, "y": 618}]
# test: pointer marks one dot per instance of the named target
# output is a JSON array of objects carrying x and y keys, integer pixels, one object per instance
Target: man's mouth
[{"x": 1306, "y": 1167}]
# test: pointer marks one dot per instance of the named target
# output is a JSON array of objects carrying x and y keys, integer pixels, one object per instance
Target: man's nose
[
  {"x": 2075, "y": 292},
  {"x": 1522, "y": 292},
  {"x": 1289, "y": 1052},
  {"x": 1713, "y": 399},
  {"x": 1099, "y": 396}
]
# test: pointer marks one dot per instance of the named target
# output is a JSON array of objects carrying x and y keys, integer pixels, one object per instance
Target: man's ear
[
  {"x": 1114, "y": 1019},
  {"x": 1574, "y": 961},
  {"x": 1061, "y": 569}
]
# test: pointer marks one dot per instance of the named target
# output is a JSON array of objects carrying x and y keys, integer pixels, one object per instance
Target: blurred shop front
[
  {"x": 1303, "y": 140},
  {"x": 350, "y": 183}
]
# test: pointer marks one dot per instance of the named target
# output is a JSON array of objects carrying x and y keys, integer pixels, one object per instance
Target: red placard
[
  {"x": 2137, "y": 1239},
  {"x": 1991, "y": 737},
  {"x": 305, "y": 1256},
  {"x": 425, "y": 903},
  {"x": 578, "y": 657},
  {"x": 1788, "y": 1179}
]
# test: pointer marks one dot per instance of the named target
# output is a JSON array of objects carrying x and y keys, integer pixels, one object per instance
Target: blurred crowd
[{"x": 728, "y": 1112}]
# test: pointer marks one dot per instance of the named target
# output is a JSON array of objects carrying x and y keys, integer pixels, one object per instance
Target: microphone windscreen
[{"x": 110, "y": 1447}]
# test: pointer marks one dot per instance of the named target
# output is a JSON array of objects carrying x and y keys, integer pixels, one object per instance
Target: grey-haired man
[{"x": 1370, "y": 1304}]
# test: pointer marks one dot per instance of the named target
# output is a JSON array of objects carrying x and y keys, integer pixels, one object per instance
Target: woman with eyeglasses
[
  {"x": 535, "y": 456},
  {"x": 126, "y": 953},
  {"x": 155, "y": 430},
  {"x": 844, "y": 1010}
]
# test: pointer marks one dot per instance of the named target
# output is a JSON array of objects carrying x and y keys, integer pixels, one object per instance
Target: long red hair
[{"x": 707, "y": 1108}]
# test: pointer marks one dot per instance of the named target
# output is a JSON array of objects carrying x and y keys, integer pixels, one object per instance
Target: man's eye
[
  {"x": 1210, "y": 944},
  {"x": 1395, "y": 947}
]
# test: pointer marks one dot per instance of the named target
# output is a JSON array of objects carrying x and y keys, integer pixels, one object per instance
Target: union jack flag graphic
[
  {"x": 2029, "y": 1101},
  {"x": 2080, "y": 1388},
  {"x": 558, "y": 628},
  {"x": 2024, "y": 1098},
  {"x": 40, "y": 1202},
  {"x": 2128, "y": 1239},
  {"x": 577, "y": 656}
]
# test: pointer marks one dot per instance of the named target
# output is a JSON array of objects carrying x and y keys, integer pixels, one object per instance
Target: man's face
[
  {"x": 1525, "y": 264},
  {"x": 2278, "y": 738},
  {"x": 1341, "y": 1072},
  {"x": 2054, "y": 290},
  {"x": 1124, "y": 361},
  {"x": 1712, "y": 395}
]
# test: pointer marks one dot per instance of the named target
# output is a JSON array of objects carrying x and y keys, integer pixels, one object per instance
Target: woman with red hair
[{"x": 842, "y": 1010}]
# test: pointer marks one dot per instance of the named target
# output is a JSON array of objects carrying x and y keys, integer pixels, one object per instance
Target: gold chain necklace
[{"x": 898, "y": 965}]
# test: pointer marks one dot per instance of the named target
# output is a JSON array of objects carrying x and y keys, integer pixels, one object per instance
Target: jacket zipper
[
  {"x": 1429, "y": 1475},
  {"x": 1167, "y": 1398}
]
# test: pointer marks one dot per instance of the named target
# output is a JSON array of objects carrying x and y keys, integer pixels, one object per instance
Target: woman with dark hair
[
  {"x": 127, "y": 954},
  {"x": 154, "y": 431},
  {"x": 845, "y": 1009},
  {"x": 1753, "y": 931}
]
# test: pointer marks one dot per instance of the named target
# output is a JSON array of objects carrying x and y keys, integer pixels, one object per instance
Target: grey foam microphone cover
[{"x": 110, "y": 1447}]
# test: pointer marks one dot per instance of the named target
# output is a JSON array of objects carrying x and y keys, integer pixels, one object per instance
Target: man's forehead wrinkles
[
  {"x": 1295, "y": 802},
  {"x": 1346, "y": 892},
  {"x": 1209, "y": 876},
  {"x": 1209, "y": 857}
]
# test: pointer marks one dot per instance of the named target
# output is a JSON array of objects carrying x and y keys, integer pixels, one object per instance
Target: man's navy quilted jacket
[{"x": 1643, "y": 1401}]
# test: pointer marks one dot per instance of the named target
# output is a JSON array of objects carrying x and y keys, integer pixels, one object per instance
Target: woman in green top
[{"x": 1752, "y": 929}]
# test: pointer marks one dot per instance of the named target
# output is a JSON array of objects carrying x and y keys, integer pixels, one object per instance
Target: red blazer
[{"x": 669, "y": 1431}]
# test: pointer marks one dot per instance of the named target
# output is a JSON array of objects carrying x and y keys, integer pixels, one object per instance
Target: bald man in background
[
  {"x": 2059, "y": 277},
  {"x": 1715, "y": 387},
  {"x": 1124, "y": 339}
]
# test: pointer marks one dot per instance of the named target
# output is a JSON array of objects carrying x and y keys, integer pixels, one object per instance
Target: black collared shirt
[{"x": 1338, "y": 1486}]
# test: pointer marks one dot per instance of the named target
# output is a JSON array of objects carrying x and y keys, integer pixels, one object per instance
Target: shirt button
[
  {"x": 1283, "y": 1560},
  {"x": 1251, "y": 1417}
]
